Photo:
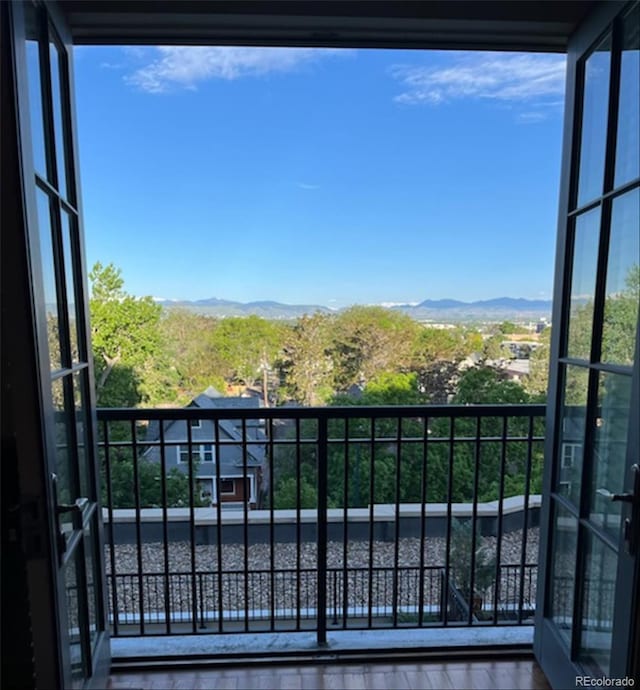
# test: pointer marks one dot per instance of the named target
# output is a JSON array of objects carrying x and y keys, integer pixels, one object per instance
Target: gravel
[
  {"x": 285, "y": 554},
  {"x": 291, "y": 590}
]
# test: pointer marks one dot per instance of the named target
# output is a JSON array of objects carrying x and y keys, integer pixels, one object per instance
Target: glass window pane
[
  {"x": 598, "y": 606},
  {"x": 74, "y": 619},
  {"x": 594, "y": 123},
  {"x": 628, "y": 145},
  {"x": 49, "y": 279},
  {"x": 610, "y": 450},
  {"x": 93, "y": 579},
  {"x": 65, "y": 484},
  {"x": 573, "y": 421},
  {"x": 35, "y": 89},
  {"x": 80, "y": 413},
  {"x": 583, "y": 284},
  {"x": 623, "y": 281},
  {"x": 565, "y": 536},
  {"x": 71, "y": 280},
  {"x": 56, "y": 93}
]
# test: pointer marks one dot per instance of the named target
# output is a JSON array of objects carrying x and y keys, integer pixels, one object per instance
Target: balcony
[{"x": 365, "y": 526}]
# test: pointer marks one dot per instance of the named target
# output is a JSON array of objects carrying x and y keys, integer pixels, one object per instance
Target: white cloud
[
  {"x": 531, "y": 117},
  {"x": 304, "y": 185},
  {"x": 186, "y": 66},
  {"x": 497, "y": 76}
]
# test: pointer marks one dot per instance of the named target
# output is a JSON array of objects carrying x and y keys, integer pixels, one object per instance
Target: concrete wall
[{"x": 285, "y": 522}]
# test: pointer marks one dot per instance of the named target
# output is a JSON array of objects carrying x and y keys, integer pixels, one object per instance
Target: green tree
[
  {"x": 386, "y": 388},
  {"x": 188, "y": 347},
  {"x": 487, "y": 385},
  {"x": 492, "y": 348},
  {"x": 537, "y": 379},
  {"x": 371, "y": 340},
  {"x": 248, "y": 348},
  {"x": 286, "y": 494},
  {"x": 620, "y": 321},
  {"x": 434, "y": 344},
  {"x": 125, "y": 339},
  {"x": 472, "y": 341},
  {"x": 122, "y": 490},
  {"x": 306, "y": 364},
  {"x": 509, "y": 328},
  {"x": 436, "y": 359}
]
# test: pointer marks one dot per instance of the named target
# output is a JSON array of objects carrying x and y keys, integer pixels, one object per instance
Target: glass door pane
[
  {"x": 584, "y": 619},
  {"x": 628, "y": 145},
  {"x": 583, "y": 283},
  {"x": 54, "y": 234},
  {"x": 594, "y": 123},
  {"x": 598, "y": 607},
  {"x": 622, "y": 294},
  {"x": 573, "y": 424},
  {"x": 610, "y": 451}
]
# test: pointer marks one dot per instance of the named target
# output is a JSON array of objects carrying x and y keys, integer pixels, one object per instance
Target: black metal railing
[
  {"x": 358, "y": 517},
  {"x": 294, "y": 596}
]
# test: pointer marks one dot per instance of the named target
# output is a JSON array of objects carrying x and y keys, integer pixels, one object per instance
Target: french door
[
  {"x": 588, "y": 579},
  {"x": 43, "y": 61}
]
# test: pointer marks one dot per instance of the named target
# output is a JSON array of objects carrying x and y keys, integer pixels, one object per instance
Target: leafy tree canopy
[
  {"x": 306, "y": 364},
  {"x": 486, "y": 385},
  {"x": 125, "y": 337},
  {"x": 368, "y": 340}
]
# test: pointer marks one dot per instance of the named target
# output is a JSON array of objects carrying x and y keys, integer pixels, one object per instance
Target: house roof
[{"x": 213, "y": 399}]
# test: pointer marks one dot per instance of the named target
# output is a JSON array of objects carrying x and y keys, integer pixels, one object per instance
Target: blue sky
[{"x": 321, "y": 176}]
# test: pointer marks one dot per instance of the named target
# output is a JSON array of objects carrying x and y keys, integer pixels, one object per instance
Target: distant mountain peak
[
  {"x": 441, "y": 303},
  {"x": 445, "y": 309}
]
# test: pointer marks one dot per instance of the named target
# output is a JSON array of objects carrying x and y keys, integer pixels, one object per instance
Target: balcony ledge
[{"x": 381, "y": 513}]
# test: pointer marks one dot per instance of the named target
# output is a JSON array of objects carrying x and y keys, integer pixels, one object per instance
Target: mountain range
[{"x": 428, "y": 310}]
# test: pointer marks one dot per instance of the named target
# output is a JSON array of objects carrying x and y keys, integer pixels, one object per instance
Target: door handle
[
  {"x": 77, "y": 507},
  {"x": 624, "y": 498},
  {"x": 631, "y": 525}
]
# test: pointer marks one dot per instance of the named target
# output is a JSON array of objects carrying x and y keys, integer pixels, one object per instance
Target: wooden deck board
[{"x": 475, "y": 675}]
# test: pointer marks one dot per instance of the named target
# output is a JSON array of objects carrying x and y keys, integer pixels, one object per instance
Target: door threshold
[{"x": 347, "y": 646}]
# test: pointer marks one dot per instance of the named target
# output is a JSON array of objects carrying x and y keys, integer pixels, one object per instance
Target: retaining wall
[{"x": 285, "y": 522}]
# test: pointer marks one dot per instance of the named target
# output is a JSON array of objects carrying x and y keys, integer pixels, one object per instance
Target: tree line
[
  {"x": 144, "y": 355},
  {"x": 360, "y": 356}
]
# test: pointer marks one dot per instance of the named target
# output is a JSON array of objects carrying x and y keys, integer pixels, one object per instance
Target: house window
[
  {"x": 569, "y": 454},
  {"x": 206, "y": 452},
  {"x": 227, "y": 486},
  {"x": 200, "y": 453},
  {"x": 183, "y": 454},
  {"x": 195, "y": 423}
]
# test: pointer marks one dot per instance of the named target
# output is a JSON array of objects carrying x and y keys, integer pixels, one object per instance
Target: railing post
[
  {"x": 334, "y": 620},
  {"x": 203, "y": 625},
  {"x": 321, "y": 550}
]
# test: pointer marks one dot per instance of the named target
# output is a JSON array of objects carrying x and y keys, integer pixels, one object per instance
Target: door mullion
[
  {"x": 581, "y": 537},
  {"x": 47, "y": 97},
  {"x": 614, "y": 101}
]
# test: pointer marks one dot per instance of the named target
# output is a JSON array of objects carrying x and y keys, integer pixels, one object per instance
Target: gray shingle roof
[{"x": 231, "y": 429}]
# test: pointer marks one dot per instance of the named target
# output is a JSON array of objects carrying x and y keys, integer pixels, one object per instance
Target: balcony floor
[{"x": 454, "y": 675}]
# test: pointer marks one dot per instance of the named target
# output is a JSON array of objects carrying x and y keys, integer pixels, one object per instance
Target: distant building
[
  {"x": 516, "y": 369},
  {"x": 541, "y": 325},
  {"x": 241, "y": 480}
]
